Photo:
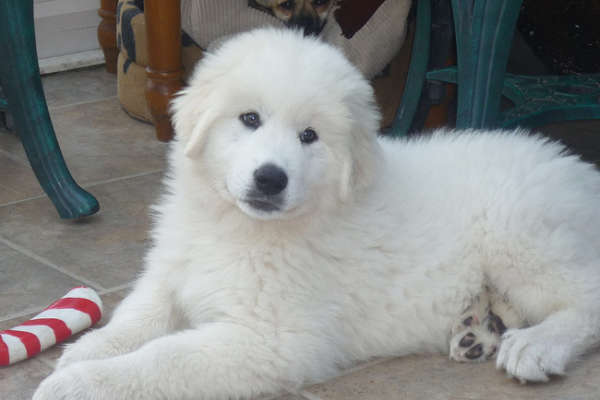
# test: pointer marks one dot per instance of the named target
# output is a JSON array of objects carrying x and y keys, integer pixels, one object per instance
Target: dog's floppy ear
[
  {"x": 359, "y": 165},
  {"x": 359, "y": 162},
  {"x": 198, "y": 134},
  {"x": 193, "y": 115}
]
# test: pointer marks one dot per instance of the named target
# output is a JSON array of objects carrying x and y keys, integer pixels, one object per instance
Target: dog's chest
[
  {"x": 272, "y": 285},
  {"x": 284, "y": 288}
]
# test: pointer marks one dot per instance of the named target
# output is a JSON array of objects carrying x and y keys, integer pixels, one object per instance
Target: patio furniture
[
  {"x": 164, "y": 68},
  {"x": 22, "y": 86},
  {"x": 484, "y": 31}
]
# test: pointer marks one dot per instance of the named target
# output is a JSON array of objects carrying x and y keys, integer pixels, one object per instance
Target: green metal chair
[
  {"x": 484, "y": 30},
  {"x": 22, "y": 86}
]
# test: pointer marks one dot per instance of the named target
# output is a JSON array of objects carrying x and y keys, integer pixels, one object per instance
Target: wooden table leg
[
  {"x": 107, "y": 33},
  {"x": 164, "y": 71}
]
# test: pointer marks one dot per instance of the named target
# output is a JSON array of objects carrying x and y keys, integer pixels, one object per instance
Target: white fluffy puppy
[{"x": 292, "y": 241}]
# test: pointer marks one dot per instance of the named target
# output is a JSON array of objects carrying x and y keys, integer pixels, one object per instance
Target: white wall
[{"x": 65, "y": 32}]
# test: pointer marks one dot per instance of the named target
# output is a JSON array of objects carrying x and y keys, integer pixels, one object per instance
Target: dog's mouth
[{"x": 263, "y": 205}]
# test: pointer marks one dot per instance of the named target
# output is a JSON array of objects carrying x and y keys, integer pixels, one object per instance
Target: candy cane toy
[{"x": 79, "y": 309}]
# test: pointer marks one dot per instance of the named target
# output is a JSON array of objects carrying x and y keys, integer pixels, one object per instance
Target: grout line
[
  {"x": 28, "y": 311},
  {"x": 120, "y": 178},
  {"x": 115, "y": 289},
  {"x": 303, "y": 394},
  {"x": 80, "y": 103},
  {"x": 49, "y": 363},
  {"x": 14, "y": 158},
  {"x": 87, "y": 185},
  {"x": 50, "y": 264},
  {"x": 363, "y": 365},
  {"x": 11, "y": 203},
  {"x": 308, "y": 395}
]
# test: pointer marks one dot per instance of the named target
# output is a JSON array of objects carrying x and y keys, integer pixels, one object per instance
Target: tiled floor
[{"x": 119, "y": 161}]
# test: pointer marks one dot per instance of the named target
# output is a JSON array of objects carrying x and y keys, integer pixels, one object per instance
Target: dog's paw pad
[
  {"x": 467, "y": 340},
  {"x": 495, "y": 324},
  {"x": 475, "y": 352},
  {"x": 474, "y": 345}
]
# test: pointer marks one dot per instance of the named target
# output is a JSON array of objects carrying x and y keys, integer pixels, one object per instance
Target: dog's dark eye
[
  {"x": 287, "y": 5},
  {"x": 308, "y": 136},
  {"x": 250, "y": 119},
  {"x": 318, "y": 3}
]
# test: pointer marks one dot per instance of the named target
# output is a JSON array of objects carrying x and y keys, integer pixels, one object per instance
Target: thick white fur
[{"x": 379, "y": 248}]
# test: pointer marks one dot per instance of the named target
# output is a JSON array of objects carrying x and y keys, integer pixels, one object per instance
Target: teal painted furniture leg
[
  {"x": 20, "y": 81},
  {"x": 484, "y": 32},
  {"x": 415, "y": 78}
]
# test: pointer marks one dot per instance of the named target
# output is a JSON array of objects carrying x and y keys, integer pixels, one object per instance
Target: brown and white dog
[{"x": 308, "y": 15}]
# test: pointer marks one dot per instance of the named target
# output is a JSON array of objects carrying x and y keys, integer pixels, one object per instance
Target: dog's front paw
[
  {"x": 91, "y": 346},
  {"x": 67, "y": 384},
  {"x": 525, "y": 356},
  {"x": 74, "y": 353}
]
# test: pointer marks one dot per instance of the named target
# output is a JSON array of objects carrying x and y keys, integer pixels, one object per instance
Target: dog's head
[
  {"x": 308, "y": 15},
  {"x": 280, "y": 124}
]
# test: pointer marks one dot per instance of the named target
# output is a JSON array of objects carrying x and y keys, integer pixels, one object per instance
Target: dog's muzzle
[
  {"x": 309, "y": 25},
  {"x": 269, "y": 183}
]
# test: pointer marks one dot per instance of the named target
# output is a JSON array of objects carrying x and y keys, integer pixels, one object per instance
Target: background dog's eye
[
  {"x": 308, "y": 136},
  {"x": 287, "y": 5},
  {"x": 318, "y": 3},
  {"x": 250, "y": 119}
]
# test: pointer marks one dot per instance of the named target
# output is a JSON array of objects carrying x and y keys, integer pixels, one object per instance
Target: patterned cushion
[{"x": 133, "y": 57}]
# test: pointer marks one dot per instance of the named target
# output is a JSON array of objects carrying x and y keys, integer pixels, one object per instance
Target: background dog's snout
[
  {"x": 308, "y": 24},
  {"x": 270, "y": 179}
]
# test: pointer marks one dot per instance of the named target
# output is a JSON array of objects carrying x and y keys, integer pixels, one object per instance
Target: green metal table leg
[
  {"x": 416, "y": 71},
  {"x": 21, "y": 83},
  {"x": 484, "y": 31}
]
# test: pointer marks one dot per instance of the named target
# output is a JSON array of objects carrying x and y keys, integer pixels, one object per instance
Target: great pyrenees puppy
[{"x": 292, "y": 241}]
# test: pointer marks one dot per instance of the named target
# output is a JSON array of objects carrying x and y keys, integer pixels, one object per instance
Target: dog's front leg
[
  {"x": 217, "y": 361},
  {"x": 142, "y": 316}
]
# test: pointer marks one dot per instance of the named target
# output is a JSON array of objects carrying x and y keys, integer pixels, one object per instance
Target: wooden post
[
  {"x": 164, "y": 71},
  {"x": 107, "y": 33}
]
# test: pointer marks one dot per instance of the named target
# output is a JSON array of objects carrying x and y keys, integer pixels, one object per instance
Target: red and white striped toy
[{"x": 79, "y": 309}]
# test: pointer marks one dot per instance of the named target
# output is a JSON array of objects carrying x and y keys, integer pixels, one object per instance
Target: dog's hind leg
[
  {"x": 477, "y": 334},
  {"x": 537, "y": 352}
]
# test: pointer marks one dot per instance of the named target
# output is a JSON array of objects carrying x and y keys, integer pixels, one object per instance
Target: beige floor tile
[
  {"x": 26, "y": 284},
  {"x": 19, "y": 381},
  {"x": 437, "y": 378},
  {"x": 99, "y": 142},
  {"x": 104, "y": 250},
  {"x": 87, "y": 84},
  {"x": 17, "y": 180}
]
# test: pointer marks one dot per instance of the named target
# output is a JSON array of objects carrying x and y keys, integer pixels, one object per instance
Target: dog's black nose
[
  {"x": 308, "y": 24},
  {"x": 270, "y": 179}
]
